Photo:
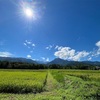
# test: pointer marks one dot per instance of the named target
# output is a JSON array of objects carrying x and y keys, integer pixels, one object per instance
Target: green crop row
[
  {"x": 78, "y": 85},
  {"x": 22, "y": 81}
]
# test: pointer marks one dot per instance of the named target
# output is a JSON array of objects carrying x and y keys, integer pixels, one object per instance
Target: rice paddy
[{"x": 49, "y": 85}]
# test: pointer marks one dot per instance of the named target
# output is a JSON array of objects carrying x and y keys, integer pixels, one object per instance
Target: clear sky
[{"x": 48, "y": 29}]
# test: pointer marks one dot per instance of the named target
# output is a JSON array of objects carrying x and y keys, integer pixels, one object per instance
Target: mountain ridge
[
  {"x": 66, "y": 62},
  {"x": 20, "y": 59},
  {"x": 58, "y": 61}
]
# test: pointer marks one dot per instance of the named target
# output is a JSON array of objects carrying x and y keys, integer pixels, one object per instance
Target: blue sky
[{"x": 68, "y": 29}]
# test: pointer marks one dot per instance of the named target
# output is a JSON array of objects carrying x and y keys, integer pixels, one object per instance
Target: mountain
[
  {"x": 10, "y": 59},
  {"x": 55, "y": 61},
  {"x": 59, "y": 61},
  {"x": 66, "y": 62}
]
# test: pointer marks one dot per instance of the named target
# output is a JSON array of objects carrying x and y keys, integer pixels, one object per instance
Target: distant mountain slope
[
  {"x": 55, "y": 61},
  {"x": 59, "y": 61},
  {"x": 92, "y": 62},
  {"x": 10, "y": 59},
  {"x": 66, "y": 62}
]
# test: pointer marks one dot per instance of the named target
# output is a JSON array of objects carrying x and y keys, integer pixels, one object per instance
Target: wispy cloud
[
  {"x": 6, "y": 54},
  {"x": 25, "y": 44},
  {"x": 35, "y": 59},
  {"x": 49, "y": 47},
  {"x": 56, "y": 47},
  {"x": 45, "y": 59},
  {"x": 90, "y": 58},
  {"x": 29, "y": 45},
  {"x": 28, "y": 42}
]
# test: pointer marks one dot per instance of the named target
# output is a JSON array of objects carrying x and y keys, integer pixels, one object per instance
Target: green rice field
[{"x": 49, "y": 84}]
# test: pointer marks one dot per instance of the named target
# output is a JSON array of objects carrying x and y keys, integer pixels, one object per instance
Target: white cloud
[
  {"x": 29, "y": 45},
  {"x": 5, "y": 54},
  {"x": 35, "y": 59},
  {"x": 97, "y": 53},
  {"x": 45, "y": 59},
  {"x": 64, "y": 52},
  {"x": 70, "y": 54},
  {"x": 33, "y": 45},
  {"x": 49, "y": 47},
  {"x": 28, "y": 56},
  {"x": 89, "y": 58},
  {"x": 28, "y": 42},
  {"x": 98, "y": 44},
  {"x": 25, "y": 44},
  {"x": 79, "y": 55},
  {"x": 56, "y": 47}
]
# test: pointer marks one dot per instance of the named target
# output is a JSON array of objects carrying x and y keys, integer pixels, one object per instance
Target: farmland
[{"x": 49, "y": 85}]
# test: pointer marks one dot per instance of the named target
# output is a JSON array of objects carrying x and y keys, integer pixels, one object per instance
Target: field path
[{"x": 51, "y": 83}]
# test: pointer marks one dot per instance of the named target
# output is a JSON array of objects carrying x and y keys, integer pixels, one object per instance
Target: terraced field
[{"x": 49, "y": 85}]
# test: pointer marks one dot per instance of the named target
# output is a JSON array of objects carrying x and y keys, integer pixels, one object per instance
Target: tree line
[{"x": 20, "y": 65}]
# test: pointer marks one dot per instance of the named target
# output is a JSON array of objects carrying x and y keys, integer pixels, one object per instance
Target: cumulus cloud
[
  {"x": 28, "y": 56},
  {"x": 5, "y": 54},
  {"x": 70, "y": 54},
  {"x": 98, "y": 44},
  {"x": 64, "y": 52},
  {"x": 98, "y": 50},
  {"x": 79, "y": 55}
]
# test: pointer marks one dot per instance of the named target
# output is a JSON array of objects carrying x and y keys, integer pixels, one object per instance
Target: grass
[{"x": 49, "y": 85}]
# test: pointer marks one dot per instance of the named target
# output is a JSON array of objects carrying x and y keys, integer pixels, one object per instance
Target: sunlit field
[{"x": 49, "y": 85}]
